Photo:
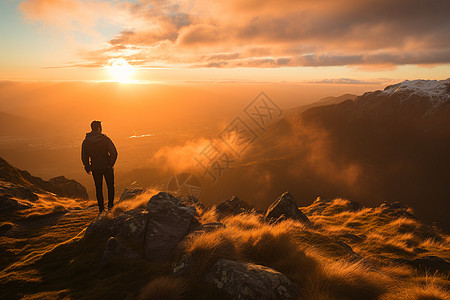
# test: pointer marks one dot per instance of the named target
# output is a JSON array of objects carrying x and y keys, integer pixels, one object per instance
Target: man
[{"x": 99, "y": 155}]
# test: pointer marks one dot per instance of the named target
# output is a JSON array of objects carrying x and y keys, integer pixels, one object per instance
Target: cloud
[
  {"x": 66, "y": 14},
  {"x": 200, "y": 34},
  {"x": 348, "y": 81},
  {"x": 263, "y": 33}
]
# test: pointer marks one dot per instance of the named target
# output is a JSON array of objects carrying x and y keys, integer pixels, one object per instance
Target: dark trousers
[{"x": 98, "y": 175}]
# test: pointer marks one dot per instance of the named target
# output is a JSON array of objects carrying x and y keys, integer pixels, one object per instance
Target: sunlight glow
[{"x": 120, "y": 70}]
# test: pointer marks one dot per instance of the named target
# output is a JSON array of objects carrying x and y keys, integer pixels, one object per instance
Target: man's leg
[
  {"x": 98, "y": 180},
  {"x": 109, "y": 178}
]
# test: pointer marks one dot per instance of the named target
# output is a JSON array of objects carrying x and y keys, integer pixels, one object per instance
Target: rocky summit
[{"x": 155, "y": 230}]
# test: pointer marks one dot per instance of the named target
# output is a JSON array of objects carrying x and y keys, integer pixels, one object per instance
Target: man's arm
[
  {"x": 112, "y": 151},
  {"x": 85, "y": 158}
]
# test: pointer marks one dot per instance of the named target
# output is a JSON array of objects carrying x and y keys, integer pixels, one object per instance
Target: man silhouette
[{"x": 99, "y": 155}]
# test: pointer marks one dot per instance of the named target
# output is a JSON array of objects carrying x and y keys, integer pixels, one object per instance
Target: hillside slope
[
  {"x": 23, "y": 180},
  {"x": 332, "y": 249}
]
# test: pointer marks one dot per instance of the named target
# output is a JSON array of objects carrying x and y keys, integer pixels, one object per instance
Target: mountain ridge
[{"x": 59, "y": 185}]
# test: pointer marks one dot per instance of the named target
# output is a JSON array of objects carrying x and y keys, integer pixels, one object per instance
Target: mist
[{"x": 161, "y": 131}]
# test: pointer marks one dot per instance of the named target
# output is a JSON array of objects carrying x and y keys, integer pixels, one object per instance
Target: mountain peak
[{"x": 438, "y": 91}]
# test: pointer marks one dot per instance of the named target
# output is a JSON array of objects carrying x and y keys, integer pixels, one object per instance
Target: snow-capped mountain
[
  {"x": 437, "y": 91},
  {"x": 391, "y": 144},
  {"x": 425, "y": 95}
]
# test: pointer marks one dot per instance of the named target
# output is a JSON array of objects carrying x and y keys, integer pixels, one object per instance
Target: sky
[{"x": 312, "y": 41}]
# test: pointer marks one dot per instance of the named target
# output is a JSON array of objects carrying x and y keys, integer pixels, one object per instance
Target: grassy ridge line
[{"x": 311, "y": 257}]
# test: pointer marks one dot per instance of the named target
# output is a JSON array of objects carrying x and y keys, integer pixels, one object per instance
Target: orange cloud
[
  {"x": 65, "y": 14},
  {"x": 264, "y": 33}
]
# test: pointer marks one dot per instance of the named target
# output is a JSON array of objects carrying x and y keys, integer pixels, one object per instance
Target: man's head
[{"x": 96, "y": 126}]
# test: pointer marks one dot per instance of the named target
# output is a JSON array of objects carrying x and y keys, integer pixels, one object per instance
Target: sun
[{"x": 120, "y": 70}]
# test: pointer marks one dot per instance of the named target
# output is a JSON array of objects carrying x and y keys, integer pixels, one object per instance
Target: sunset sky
[{"x": 327, "y": 41}]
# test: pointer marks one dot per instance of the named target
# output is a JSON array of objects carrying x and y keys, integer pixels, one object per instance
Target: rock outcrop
[
  {"x": 60, "y": 185},
  {"x": 168, "y": 223},
  {"x": 285, "y": 207},
  {"x": 114, "y": 249},
  {"x": 64, "y": 187},
  {"x": 130, "y": 225},
  {"x": 156, "y": 230},
  {"x": 243, "y": 280},
  {"x": 232, "y": 206}
]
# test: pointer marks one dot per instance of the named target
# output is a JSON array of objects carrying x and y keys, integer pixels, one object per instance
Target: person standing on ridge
[{"x": 99, "y": 155}]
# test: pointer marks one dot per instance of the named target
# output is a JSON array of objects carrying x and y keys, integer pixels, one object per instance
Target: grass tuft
[{"x": 164, "y": 288}]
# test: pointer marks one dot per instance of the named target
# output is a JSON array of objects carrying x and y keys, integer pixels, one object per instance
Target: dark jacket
[{"x": 98, "y": 151}]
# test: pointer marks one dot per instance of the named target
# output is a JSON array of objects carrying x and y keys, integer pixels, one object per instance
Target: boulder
[
  {"x": 130, "y": 225},
  {"x": 114, "y": 249},
  {"x": 130, "y": 193},
  {"x": 243, "y": 280},
  {"x": 286, "y": 208},
  {"x": 169, "y": 222},
  {"x": 232, "y": 206},
  {"x": 69, "y": 188}
]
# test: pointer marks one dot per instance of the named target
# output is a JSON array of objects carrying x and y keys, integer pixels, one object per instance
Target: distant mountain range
[
  {"x": 16, "y": 126},
  {"x": 390, "y": 145},
  {"x": 324, "y": 101}
]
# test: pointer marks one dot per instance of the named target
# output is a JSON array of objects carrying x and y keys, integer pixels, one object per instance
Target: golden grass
[
  {"x": 430, "y": 291},
  {"x": 343, "y": 280},
  {"x": 208, "y": 216},
  {"x": 404, "y": 225},
  {"x": 164, "y": 288},
  {"x": 313, "y": 257},
  {"x": 249, "y": 239},
  {"x": 140, "y": 201},
  {"x": 280, "y": 247},
  {"x": 208, "y": 248}
]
